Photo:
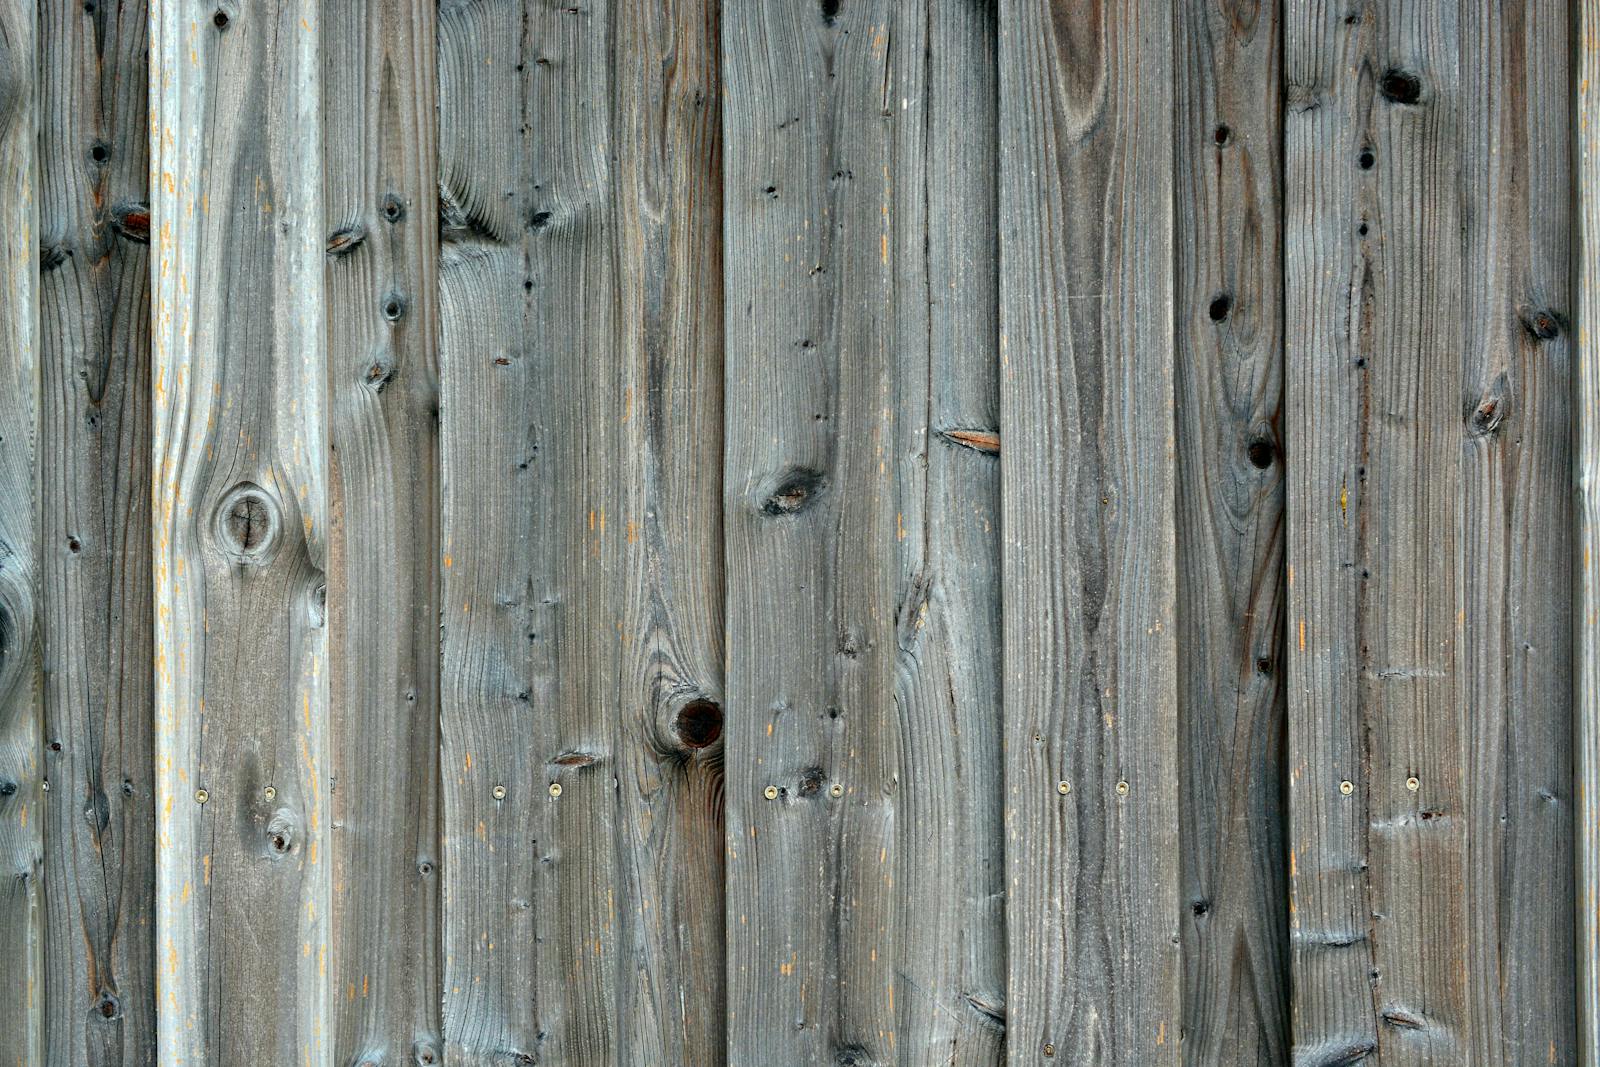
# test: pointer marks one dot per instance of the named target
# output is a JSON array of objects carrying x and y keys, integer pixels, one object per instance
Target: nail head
[
  {"x": 836, "y": 790},
  {"x": 1122, "y": 789},
  {"x": 1347, "y": 787},
  {"x": 771, "y": 792},
  {"x": 555, "y": 789},
  {"x": 270, "y": 793},
  {"x": 499, "y": 792},
  {"x": 1413, "y": 785},
  {"x": 1063, "y": 787},
  {"x": 201, "y": 796}
]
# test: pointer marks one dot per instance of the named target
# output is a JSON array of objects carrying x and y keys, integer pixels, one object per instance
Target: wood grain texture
[
  {"x": 240, "y": 535},
  {"x": 1586, "y": 471},
  {"x": 94, "y": 511},
  {"x": 380, "y": 159},
  {"x": 1373, "y": 299},
  {"x": 1230, "y": 530},
  {"x": 1517, "y": 521},
  {"x": 815, "y": 461},
  {"x": 1087, "y": 396},
  {"x": 949, "y": 934},
  {"x": 21, "y": 768},
  {"x": 582, "y": 588}
]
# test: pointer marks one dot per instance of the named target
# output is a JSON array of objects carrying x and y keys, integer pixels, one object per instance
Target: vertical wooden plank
[
  {"x": 239, "y": 534},
  {"x": 814, "y": 449},
  {"x": 949, "y": 995},
  {"x": 94, "y": 534},
  {"x": 1230, "y": 533},
  {"x": 21, "y": 773},
  {"x": 582, "y": 660},
  {"x": 1374, "y": 357},
  {"x": 1586, "y": 726},
  {"x": 668, "y": 536},
  {"x": 382, "y": 238},
  {"x": 1087, "y": 395},
  {"x": 531, "y": 902},
  {"x": 1517, "y": 525}
]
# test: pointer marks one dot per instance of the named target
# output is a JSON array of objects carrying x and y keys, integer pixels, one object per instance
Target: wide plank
[
  {"x": 239, "y": 535},
  {"x": 1087, "y": 415}
]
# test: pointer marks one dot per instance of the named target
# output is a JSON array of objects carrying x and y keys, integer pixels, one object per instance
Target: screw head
[
  {"x": 1049, "y": 1049},
  {"x": 1347, "y": 787},
  {"x": 555, "y": 789},
  {"x": 499, "y": 792},
  {"x": 1413, "y": 785},
  {"x": 270, "y": 792},
  {"x": 771, "y": 792},
  {"x": 201, "y": 796},
  {"x": 1122, "y": 789},
  {"x": 1063, "y": 787},
  {"x": 836, "y": 791}
]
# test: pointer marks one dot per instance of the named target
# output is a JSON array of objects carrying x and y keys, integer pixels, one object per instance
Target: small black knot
[
  {"x": 108, "y": 1006},
  {"x": 52, "y": 256},
  {"x": 394, "y": 307},
  {"x": 1263, "y": 666},
  {"x": 1362, "y": 230},
  {"x": 394, "y": 209},
  {"x": 539, "y": 220},
  {"x": 811, "y": 781},
  {"x": 8, "y": 789},
  {"x": 771, "y": 192},
  {"x": 1260, "y": 452},
  {"x": 1200, "y": 907},
  {"x": 426, "y": 1053},
  {"x": 795, "y": 493},
  {"x": 100, "y": 152},
  {"x": 1366, "y": 159},
  {"x": 424, "y": 868},
  {"x": 852, "y": 1056},
  {"x": 55, "y": 746},
  {"x": 1485, "y": 418},
  {"x": 1400, "y": 87},
  {"x": 220, "y": 19},
  {"x": 830, "y": 10},
  {"x": 74, "y": 545},
  {"x": 698, "y": 723},
  {"x": 1221, "y": 304},
  {"x": 1222, "y": 135},
  {"x": 127, "y": 787}
]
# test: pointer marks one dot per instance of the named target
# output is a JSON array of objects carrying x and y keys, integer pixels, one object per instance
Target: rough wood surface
[
  {"x": 94, "y": 523},
  {"x": 1586, "y": 469},
  {"x": 1374, "y": 307},
  {"x": 815, "y": 454},
  {"x": 1517, "y": 520},
  {"x": 1087, "y": 395},
  {"x": 1230, "y": 534},
  {"x": 582, "y": 664},
  {"x": 382, "y": 237},
  {"x": 21, "y": 770},
  {"x": 239, "y": 535},
  {"x": 949, "y": 915}
]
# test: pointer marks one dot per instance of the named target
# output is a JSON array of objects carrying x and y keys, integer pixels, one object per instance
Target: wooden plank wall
[{"x": 797, "y": 532}]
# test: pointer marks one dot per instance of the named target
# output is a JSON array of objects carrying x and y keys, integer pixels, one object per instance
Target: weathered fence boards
[{"x": 798, "y": 532}]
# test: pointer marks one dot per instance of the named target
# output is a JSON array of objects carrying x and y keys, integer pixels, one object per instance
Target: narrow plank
[
  {"x": 21, "y": 772},
  {"x": 94, "y": 534},
  {"x": 814, "y": 446},
  {"x": 1087, "y": 397},
  {"x": 1373, "y": 353},
  {"x": 239, "y": 535},
  {"x": 1230, "y": 527},
  {"x": 1517, "y": 522},
  {"x": 949, "y": 997},
  {"x": 1586, "y": 728},
  {"x": 382, "y": 238},
  {"x": 669, "y": 589}
]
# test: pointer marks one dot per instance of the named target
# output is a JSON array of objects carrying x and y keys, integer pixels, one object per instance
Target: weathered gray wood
[
  {"x": 240, "y": 360},
  {"x": 1586, "y": 470},
  {"x": 94, "y": 529},
  {"x": 815, "y": 450},
  {"x": 1230, "y": 522},
  {"x": 1517, "y": 522},
  {"x": 382, "y": 237},
  {"x": 1373, "y": 303},
  {"x": 21, "y": 771},
  {"x": 1087, "y": 395},
  {"x": 949, "y": 916},
  {"x": 580, "y": 360}
]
